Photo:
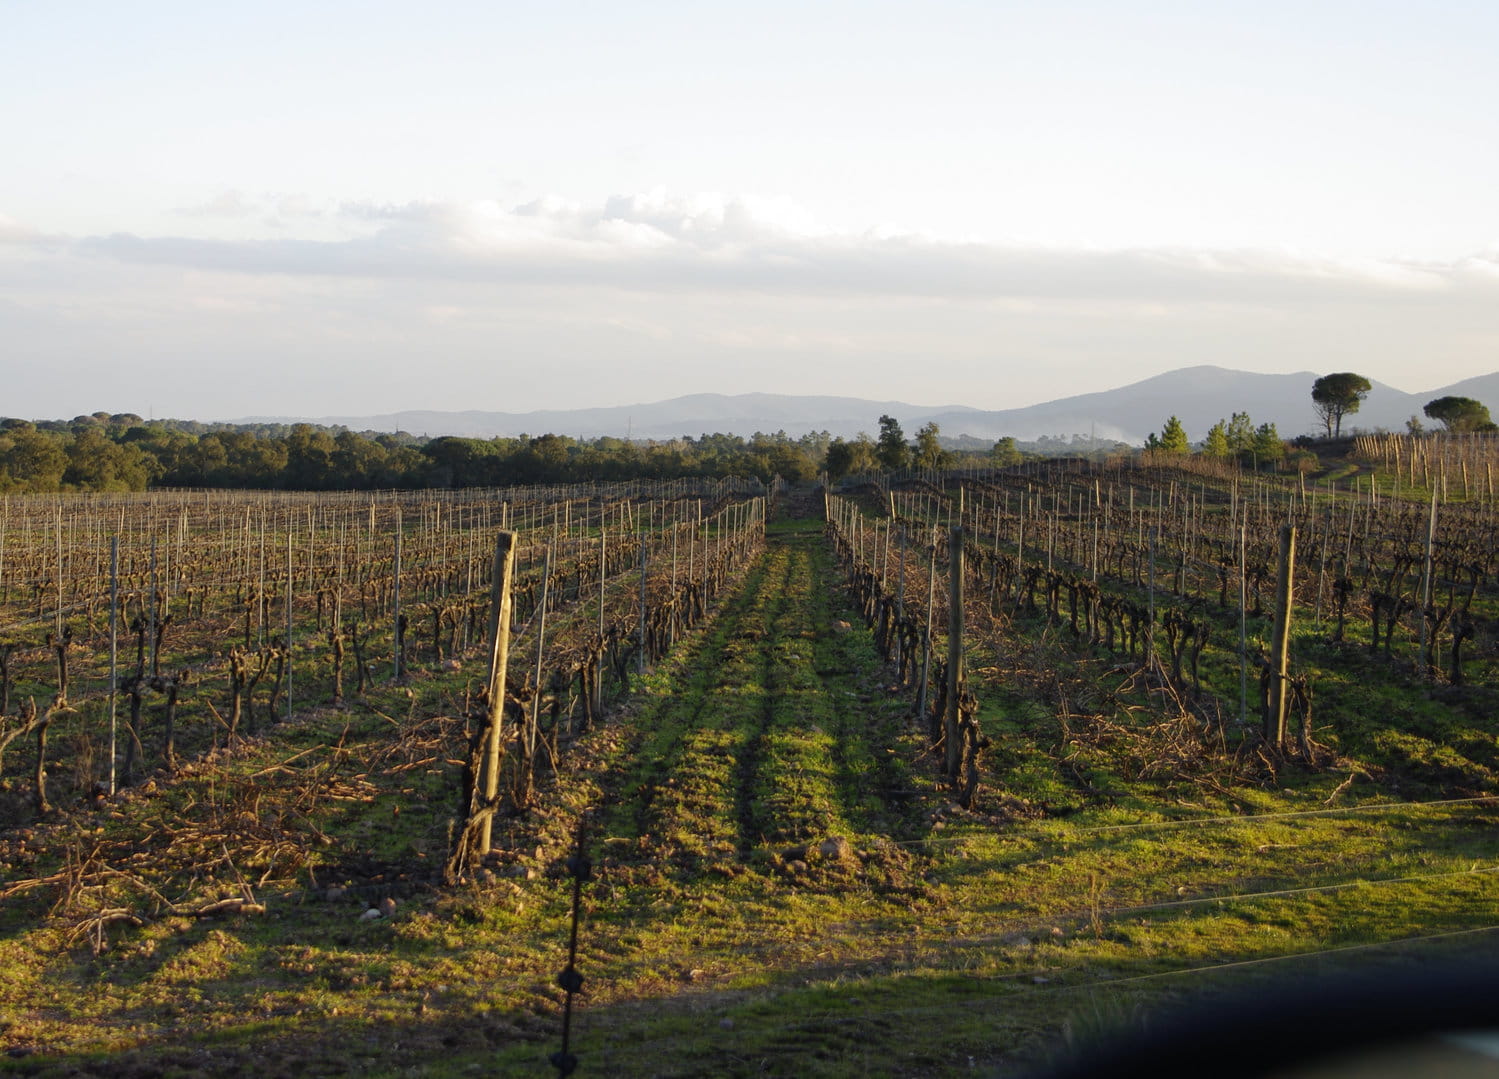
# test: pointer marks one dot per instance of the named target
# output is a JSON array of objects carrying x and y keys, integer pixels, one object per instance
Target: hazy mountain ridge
[
  {"x": 691, "y": 415},
  {"x": 1198, "y": 396}
]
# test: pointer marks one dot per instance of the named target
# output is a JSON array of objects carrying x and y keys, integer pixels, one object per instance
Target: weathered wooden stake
[
  {"x": 154, "y": 669},
  {"x": 1243, "y": 615},
  {"x": 114, "y": 640},
  {"x": 396, "y": 599},
  {"x": 900, "y": 599},
  {"x": 926, "y": 636},
  {"x": 598, "y": 702},
  {"x": 499, "y": 660},
  {"x": 1431, "y": 535},
  {"x": 954, "y": 651},
  {"x": 1150, "y": 622},
  {"x": 640, "y": 656},
  {"x": 288, "y": 618},
  {"x": 533, "y": 727},
  {"x": 1275, "y": 731}
]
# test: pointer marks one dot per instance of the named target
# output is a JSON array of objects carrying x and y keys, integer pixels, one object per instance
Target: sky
[{"x": 213, "y": 211}]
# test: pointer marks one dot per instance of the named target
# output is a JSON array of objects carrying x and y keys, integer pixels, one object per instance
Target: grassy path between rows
[{"x": 780, "y": 887}]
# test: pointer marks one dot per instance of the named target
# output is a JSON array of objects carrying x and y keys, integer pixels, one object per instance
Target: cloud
[
  {"x": 226, "y": 204},
  {"x": 660, "y": 242},
  {"x": 639, "y": 297},
  {"x": 16, "y": 235},
  {"x": 244, "y": 215},
  {"x": 12, "y": 232}
]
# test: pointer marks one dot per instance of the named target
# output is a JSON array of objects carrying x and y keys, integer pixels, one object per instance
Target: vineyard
[
  {"x": 919, "y": 773},
  {"x": 214, "y": 615}
]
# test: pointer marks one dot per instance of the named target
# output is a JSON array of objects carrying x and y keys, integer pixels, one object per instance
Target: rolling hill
[{"x": 1198, "y": 396}]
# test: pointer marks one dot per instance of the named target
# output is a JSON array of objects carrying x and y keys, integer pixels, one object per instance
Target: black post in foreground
[{"x": 579, "y": 868}]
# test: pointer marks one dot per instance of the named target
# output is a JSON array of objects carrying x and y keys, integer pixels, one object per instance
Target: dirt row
[{"x": 772, "y": 738}]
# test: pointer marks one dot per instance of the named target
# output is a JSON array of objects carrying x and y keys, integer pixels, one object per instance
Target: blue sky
[{"x": 221, "y": 210}]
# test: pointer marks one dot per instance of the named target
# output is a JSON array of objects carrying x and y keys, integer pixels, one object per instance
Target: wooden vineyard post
[
  {"x": 260, "y": 593},
  {"x": 926, "y": 636},
  {"x": 1431, "y": 535},
  {"x": 114, "y": 643},
  {"x": 1243, "y": 615},
  {"x": 57, "y": 615},
  {"x": 533, "y": 725},
  {"x": 672, "y": 635},
  {"x": 598, "y": 681},
  {"x": 954, "y": 651},
  {"x": 1019, "y": 548},
  {"x": 1322, "y": 569},
  {"x": 152, "y": 626},
  {"x": 900, "y": 598},
  {"x": 396, "y": 598},
  {"x": 288, "y": 617},
  {"x": 499, "y": 660},
  {"x": 1275, "y": 720},
  {"x": 640, "y": 657},
  {"x": 1150, "y": 620}
]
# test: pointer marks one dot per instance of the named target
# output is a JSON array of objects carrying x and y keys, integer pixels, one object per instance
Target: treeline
[
  {"x": 123, "y": 452},
  {"x": 1235, "y": 440}
]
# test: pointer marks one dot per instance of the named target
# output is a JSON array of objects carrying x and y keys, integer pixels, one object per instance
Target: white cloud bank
[
  {"x": 655, "y": 241},
  {"x": 280, "y": 305}
]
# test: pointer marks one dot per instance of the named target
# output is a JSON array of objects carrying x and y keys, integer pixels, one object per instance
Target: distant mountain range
[{"x": 1198, "y": 396}]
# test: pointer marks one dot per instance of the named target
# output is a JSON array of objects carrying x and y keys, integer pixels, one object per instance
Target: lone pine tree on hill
[
  {"x": 1459, "y": 414},
  {"x": 1335, "y": 396}
]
